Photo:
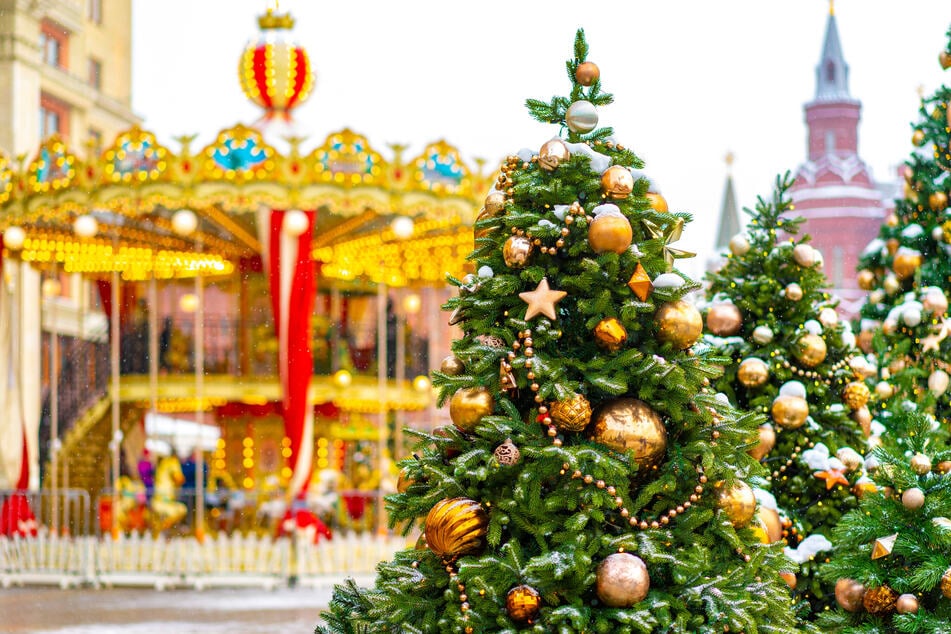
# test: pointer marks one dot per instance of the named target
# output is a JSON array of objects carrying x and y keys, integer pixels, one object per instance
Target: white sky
[{"x": 692, "y": 79}]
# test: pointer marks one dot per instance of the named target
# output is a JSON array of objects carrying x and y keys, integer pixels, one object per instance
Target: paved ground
[{"x": 132, "y": 611}]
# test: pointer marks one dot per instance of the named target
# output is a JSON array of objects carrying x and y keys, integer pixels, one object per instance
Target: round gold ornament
[
  {"x": 856, "y": 395},
  {"x": 587, "y": 73},
  {"x": 404, "y": 481},
  {"x": 946, "y": 584},
  {"x": 724, "y": 320},
  {"x": 507, "y": 453},
  {"x": 849, "y": 594},
  {"x": 905, "y": 263},
  {"x": 769, "y": 518},
  {"x": 804, "y": 255},
  {"x": 921, "y": 464},
  {"x": 610, "y": 231},
  {"x": 944, "y": 58},
  {"x": 790, "y": 412},
  {"x": 738, "y": 502},
  {"x": 866, "y": 280},
  {"x": 892, "y": 221},
  {"x": 610, "y": 334},
  {"x": 468, "y": 405},
  {"x": 657, "y": 202},
  {"x": 494, "y": 204},
  {"x": 622, "y": 580},
  {"x": 850, "y": 458},
  {"x": 884, "y": 389},
  {"x": 753, "y": 372},
  {"x": 522, "y": 603},
  {"x": 938, "y": 201},
  {"x": 572, "y": 414},
  {"x": 767, "y": 440},
  {"x": 880, "y": 600},
  {"x": 678, "y": 323},
  {"x": 918, "y": 137},
  {"x": 906, "y": 604},
  {"x": 862, "y": 487},
  {"x": 456, "y": 527},
  {"x": 811, "y": 350},
  {"x": 793, "y": 292},
  {"x": 452, "y": 365},
  {"x": 789, "y": 578},
  {"x": 552, "y": 154},
  {"x": 617, "y": 182},
  {"x": 913, "y": 499},
  {"x": 944, "y": 467},
  {"x": 582, "y": 117},
  {"x": 739, "y": 244},
  {"x": 516, "y": 251},
  {"x": 891, "y": 245},
  {"x": 627, "y": 424}
]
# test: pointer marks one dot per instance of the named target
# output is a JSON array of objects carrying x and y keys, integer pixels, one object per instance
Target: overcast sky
[{"x": 692, "y": 79}]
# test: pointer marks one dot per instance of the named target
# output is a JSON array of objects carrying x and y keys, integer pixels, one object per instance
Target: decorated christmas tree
[
  {"x": 592, "y": 481},
  {"x": 892, "y": 563},
  {"x": 792, "y": 359},
  {"x": 907, "y": 271}
]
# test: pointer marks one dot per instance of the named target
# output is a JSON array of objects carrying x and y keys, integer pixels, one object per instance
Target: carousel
[{"x": 229, "y": 333}]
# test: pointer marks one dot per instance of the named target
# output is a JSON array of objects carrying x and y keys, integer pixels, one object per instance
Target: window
[
  {"x": 54, "y": 117},
  {"x": 838, "y": 255},
  {"x": 95, "y": 73},
  {"x": 830, "y": 72},
  {"x": 830, "y": 142},
  {"x": 95, "y": 141},
  {"x": 95, "y": 11},
  {"x": 54, "y": 44}
]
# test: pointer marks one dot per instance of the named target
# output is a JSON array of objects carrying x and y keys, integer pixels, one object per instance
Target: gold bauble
[
  {"x": 724, "y": 320},
  {"x": 522, "y": 603},
  {"x": 789, "y": 578},
  {"x": 468, "y": 405},
  {"x": 793, "y": 292},
  {"x": 860, "y": 488},
  {"x": 678, "y": 323},
  {"x": 804, "y": 255},
  {"x": 913, "y": 498},
  {"x": 850, "y": 458},
  {"x": 610, "y": 232},
  {"x": 610, "y": 334},
  {"x": 944, "y": 58},
  {"x": 944, "y": 467},
  {"x": 627, "y": 424},
  {"x": 452, "y": 365},
  {"x": 946, "y": 584},
  {"x": 767, "y": 440},
  {"x": 622, "y": 580},
  {"x": 918, "y": 137},
  {"x": 856, "y": 395},
  {"x": 483, "y": 232},
  {"x": 587, "y": 73},
  {"x": 404, "y": 481},
  {"x": 456, "y": 527},
  {"x": 657, "y": 202},
  {"x": 790, "y": 412},
  {"x": 552, "y": 154},
  {"x": 753, "y": 372},
  {"x": 571, "y": 414},
  {"x": 811, "y": 350},
  {"x": 891, "y": 245},
  {"x": 880, "y": 600},
  {"x": 938, "y": 201},
  {"x": 864, "y": 340},
  {"x": 738, "y": 502},
  {"x": 891, "y": 220},
  {"x": 849, "y": 594},
  {"x": 516, "y": 251},
  {"x": 866, "y": 280},
  {"x": 905, "y": 264},
  {"x": 617, "y": 182},
  {"x": 906, "y": 604},
  {"x": 921, "y": 464},
  {"x": 769, "y": 518},
  {"x": 494, "y": 204}
]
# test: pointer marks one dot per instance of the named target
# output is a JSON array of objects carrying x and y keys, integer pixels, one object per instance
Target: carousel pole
[
  {"x": 50, "y": 297},
  {"x": 335, "y": 327},
  {"x": 153, "y": 346},
  {"x": 114, "y": 354},
  {"x": 381, "y": 354},
  {"x": 199, "y": 400},
  {"x": 400, "y": 380}
]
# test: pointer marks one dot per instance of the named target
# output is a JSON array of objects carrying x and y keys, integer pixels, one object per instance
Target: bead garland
[{"x": 813, "y": 375}]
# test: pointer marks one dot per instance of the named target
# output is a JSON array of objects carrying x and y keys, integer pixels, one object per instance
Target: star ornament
[
  {"x": 672, "y": 233},
  {"x": 832, "y": 478},
  {"x": 541, "y": 301}
]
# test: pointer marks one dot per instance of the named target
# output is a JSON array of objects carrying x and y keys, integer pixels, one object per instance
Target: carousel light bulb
[
  {"x": 85, "y": 226},
  {"x": 421, "y": 383},
  {"x": 295, "y": 223},
  {"x": 50, "y": 287},
  {"x": 402, "y": 227},
  {"x": 342, "y": 378},
  {"x": 184, "y": 222},
  {"x": 13, "y": 238},
  {"x": 188, "y": 303},
  {"x": 412, "y": 303}
]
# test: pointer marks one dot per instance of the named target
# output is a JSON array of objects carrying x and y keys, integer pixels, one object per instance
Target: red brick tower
[{"x": 834, "y": 190}]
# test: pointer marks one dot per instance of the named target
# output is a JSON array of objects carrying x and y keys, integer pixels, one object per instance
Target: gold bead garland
[{"x": 812, "y": 375}]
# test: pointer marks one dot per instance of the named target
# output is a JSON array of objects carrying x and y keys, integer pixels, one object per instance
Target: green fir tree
[
  {"x": 793, "y": 360},
  {"x": 593, "y": 480}
]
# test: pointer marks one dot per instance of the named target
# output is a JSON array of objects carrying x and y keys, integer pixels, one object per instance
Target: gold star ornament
[
  {"x": 672, "y": 233},
  {"x": 541, "y": 301}
]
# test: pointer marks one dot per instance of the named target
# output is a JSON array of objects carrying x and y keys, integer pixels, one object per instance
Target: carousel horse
[
  {"x": 131, "y": 514},
  {"x": 167, "y": 511}
]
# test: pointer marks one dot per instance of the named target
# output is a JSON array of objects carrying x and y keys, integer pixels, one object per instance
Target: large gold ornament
[
  {"x": 678, "y": 323},
  {"x": 866, "y": 280},
  {"x": 913, "y": 498},
  {"x": 804, "y": 255},
  {"x": 880, "y": 600},
  {"x": 522, "y": 603},
  {"x": 769, "y": 519},
  {"x": 542, "y": 301},
  {"x": 552, "y": 154},
  {"x": 906, "y": 604},
  {"x": 790, "y": 412},
  {"x": 849, "y": 594},
  {"x": 856, "y": 395},
  {"x": 738, "y": 502},
  {"x": 494, "y": 204},
  {"x": 468, "y": 405},
  {"x": 452, "y": 365},
  {"x": 617, "y": 182},
  {"x": 627, "y": 424},
  {"x": 456, "y": 527},
  {"x": 938, "y": 201},
  {"x": 753, "y": 372},
  {"x": 610, "y": 231},
  {"x": 946, "y": 584},
  {"x": 657, "y": 202},
  {"x": 724, "y": 320},
  {"x": 944, "y": 58},
  {"x": 905, "y": 263},
  {"x": 767, "y": 440},
  {"x": 811, "y": 350},
  {"x": 793, "y": 292},
  {"x": 572, "y": 414},
  {"x": 921, "y": 464},
  {"x": 587, "y": 73},
  {"x": 516, "y": 251},
  {"x": 610, "y": 334},
  {"x": 622, "y": 580}
]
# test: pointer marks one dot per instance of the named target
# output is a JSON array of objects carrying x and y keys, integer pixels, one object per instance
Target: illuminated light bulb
[
  {"x": 421, "y": 383},
  {"x": 402, "y": 227},
  {"x": 184, "y": 222},
  {"x": 51, "y": 287},
  {"x": 412, "y": 303},
  {"x": 13, "y": 238},
  {"x": 295, "y": 223},
  {"x": 188, "y": 302},
  {"x": 85, "y": 226},
  {"x": 342, "y": 378}
]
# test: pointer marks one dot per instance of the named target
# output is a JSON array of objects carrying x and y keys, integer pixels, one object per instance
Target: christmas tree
[
  {"x": 907, "y": 271},
  {"x": 892, "y": 563},
  {"x": 592, "y": 480},
  {"x": 793, "y": 360}
]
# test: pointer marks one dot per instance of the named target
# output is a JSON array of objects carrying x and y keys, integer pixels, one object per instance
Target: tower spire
[
  {"x": 832, "y": 73},
  {"x": 729, "y": 213}
]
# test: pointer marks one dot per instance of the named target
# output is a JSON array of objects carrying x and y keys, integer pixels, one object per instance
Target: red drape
[{"x": 105, "y": 298}]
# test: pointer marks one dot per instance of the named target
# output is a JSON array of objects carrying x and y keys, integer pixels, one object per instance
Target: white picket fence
[{"x": 229, "y": 561}]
